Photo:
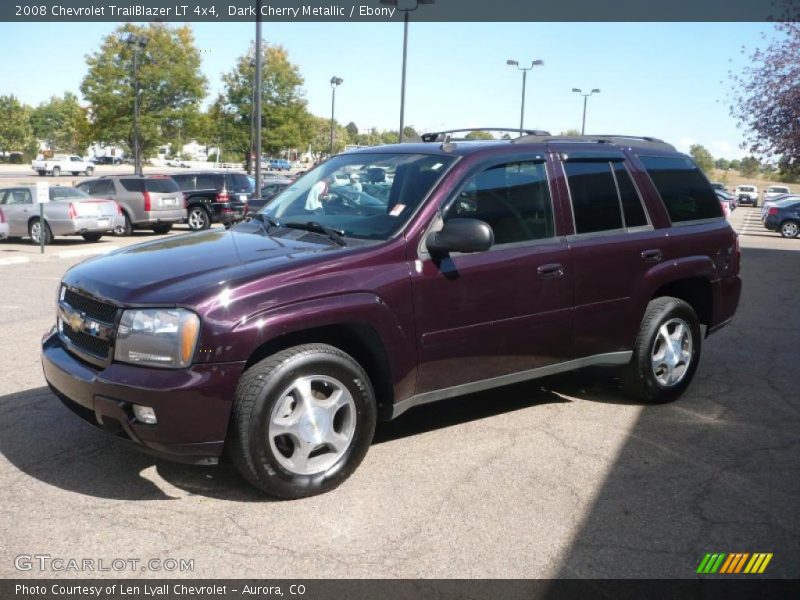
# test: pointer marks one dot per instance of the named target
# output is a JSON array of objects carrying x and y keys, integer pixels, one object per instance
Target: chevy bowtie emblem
[{"x": 75, "y": 321}]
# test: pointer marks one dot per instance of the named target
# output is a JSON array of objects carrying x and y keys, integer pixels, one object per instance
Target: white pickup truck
[{"x": 62, "y": 163}]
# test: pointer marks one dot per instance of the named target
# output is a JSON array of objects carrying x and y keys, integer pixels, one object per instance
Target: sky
[{"x": 668, "y": 80}]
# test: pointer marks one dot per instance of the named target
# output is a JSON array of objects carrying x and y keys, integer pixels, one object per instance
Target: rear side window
[
  {"x": 686, "y": 193},
  {"x": 595, "y": 203},
  {"x": 239, "y": 183},
  {"x": 632, "y": 208},
  {"x": 512, "y": 198},
  {"x": 155, "y": 185},
  {"x": 209, "y": 182},
  {"x": 184, "y": 182}
]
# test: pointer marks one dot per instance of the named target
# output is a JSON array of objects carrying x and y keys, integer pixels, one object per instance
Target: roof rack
[
  {"x": 442, "y": 136},
  {"x": 616, "y": 139}
]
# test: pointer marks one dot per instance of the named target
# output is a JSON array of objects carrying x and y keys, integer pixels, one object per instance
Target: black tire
[
  {"x": 639, "y": 376},
  {"x": 75, "y": 173},
  {"x": 262, "y": 386},
  {"x": 42, "y": 173},
  {"x": 56, "y": 172},
  {"x": 126, "y": 229},
  {"x": 89, "y": 171},
  {"x": 162, "y": 228},
  {"x": 198, "y": 218},
  {"x": 48, "y": 234},
  {"x": 92, "y": 237},
  {"x": 789, "y": 229}
]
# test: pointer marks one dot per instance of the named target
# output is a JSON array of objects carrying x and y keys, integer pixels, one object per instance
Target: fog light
[{"x": 144, "y": 414}]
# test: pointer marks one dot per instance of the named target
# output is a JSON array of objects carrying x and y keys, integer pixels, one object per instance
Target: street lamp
[
  {"x": 257, "y": 92},
  {"x": 514, "y": 63},
  {"x": 335, "y": 82},
  {"x": 405, "y": 11},
  {"x": 137, "y": 42},
  {"x": 585, "y": 96}
]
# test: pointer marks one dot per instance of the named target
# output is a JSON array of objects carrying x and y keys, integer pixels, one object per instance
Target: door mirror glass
[{"x": 460, "y": 235}]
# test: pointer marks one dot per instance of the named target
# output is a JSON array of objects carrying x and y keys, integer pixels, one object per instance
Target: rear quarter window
[
  {"x": 155, "y": 185},
  {"x": 686, "y": 193}
]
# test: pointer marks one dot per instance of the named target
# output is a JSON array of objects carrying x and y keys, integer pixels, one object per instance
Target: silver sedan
[{"x": 69, "y": 212}]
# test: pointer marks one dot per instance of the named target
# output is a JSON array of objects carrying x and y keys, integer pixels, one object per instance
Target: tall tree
[
  {"x": 15, "y": 128},
  {"x": 352, "y": 132},
  {"x": 479, "y": 135},
  {"x": 749, "y": 167},
  {"x": 285, "y": 121},
  {"x": 722, "y": 164},
  {"x": 767, "y": 100},
  {"x": 170, "y": 82},
  {"x": 702, "y": 157},
  {"x": 63, "y": 123}
]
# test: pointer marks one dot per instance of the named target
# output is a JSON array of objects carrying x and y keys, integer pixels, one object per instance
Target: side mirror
[{"x": 461, "y": 235}]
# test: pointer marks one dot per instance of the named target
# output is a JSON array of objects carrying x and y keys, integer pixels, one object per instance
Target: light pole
[
  {"x": 335, "y": 82},
  {"x": 257, "y": 100},
  {"x": 417, "y": 4},
  {"x": 585, "y": 96},
  {"x": 137, "y": 42},
  {"x": 514, "y": 63}
]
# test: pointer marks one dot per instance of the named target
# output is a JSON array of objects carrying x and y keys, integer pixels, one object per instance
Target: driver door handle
[
  {"x": 652, "y": 256},
  {"x": 551, "y": 270}
]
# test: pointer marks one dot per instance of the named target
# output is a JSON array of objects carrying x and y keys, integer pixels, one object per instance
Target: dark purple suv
[{"x": 350, "y": 298}]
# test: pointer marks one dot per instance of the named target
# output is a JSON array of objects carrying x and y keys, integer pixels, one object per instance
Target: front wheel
[
  {"x": 790, "y": 229},
  {"x": 89, "y": 171},
  {"x": 55, "y": 172},
  {"x": 125, "y": 229},
  {"x": 303, "y": 420},
  {"x": 666, "y": 352}
]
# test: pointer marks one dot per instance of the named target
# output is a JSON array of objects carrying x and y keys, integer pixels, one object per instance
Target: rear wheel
[
  {"x": 198, "y": 218},
  {"x": 89, "y": 171},
  {"x": 789, "y": 229},
  {"x": 56, "y": 171},
  {"x": 666, "y": 352},
  {"x": 37, "y": 231},
  {"x": 303, "y": 420},
  {"x": 92, "y": 237},
  {"x": 41, "y": 173},
  {"x": 162, "y": 228}
]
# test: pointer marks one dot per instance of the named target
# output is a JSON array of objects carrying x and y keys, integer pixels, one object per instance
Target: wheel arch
[
  {"x": 696, "y": 291},
  {"x": 359, "y": 340}
]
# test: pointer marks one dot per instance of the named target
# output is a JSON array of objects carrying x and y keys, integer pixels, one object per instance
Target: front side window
[
  {"x": 368, "y": 196},
  {"x": 686, "y": 193},
  {"x": 19, "y": 196},
  {"x": 513, "y": 198}
]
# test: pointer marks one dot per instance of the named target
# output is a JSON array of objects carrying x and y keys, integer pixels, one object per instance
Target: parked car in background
[
  {"x": 214, "y": 197},
  {"x": 178, "y": 162},
  {"x": 784, "y": 217},
  {"x": 107, "y": 160},
  {"x": 765, "y": 206},
  {"x": 69, "y": 212},
  {"x": 147, "y": 201},
  {"x": 717, "y": 186},
  {"x": 3, "y": 225},
  {"x": 62, "y": 163},
  {"x": 726, "y": 198},
  {"x": 278, "y": 164},
  {"x": 746, "y": 194},
  {"x": 269, "y": 190},
  {"x": 282, "y": 341},
  {"x": 774, "y": 191}
]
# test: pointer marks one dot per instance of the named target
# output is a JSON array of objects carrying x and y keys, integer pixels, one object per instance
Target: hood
[{"x": 185, "y": 269}]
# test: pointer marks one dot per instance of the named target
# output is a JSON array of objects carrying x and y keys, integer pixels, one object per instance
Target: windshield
[
  {"x": 779, "y": 190},
  {"x": 65, "y": 193},
  {"x": 746, "y": 188},
  {"x": 367, "y": 196}
]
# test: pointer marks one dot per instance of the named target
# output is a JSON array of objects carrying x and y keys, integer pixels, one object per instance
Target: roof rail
[
  {"x": 616, "y": 139},
  {"x": 437, "y": 136}
]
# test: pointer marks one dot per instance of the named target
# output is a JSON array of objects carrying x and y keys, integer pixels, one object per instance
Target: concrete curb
[
  {"x": 14, "y": 260},
  {"x": 18, "y": 260}
]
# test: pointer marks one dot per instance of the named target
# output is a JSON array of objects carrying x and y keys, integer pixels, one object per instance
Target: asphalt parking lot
[{"x": 561, "y": 477}]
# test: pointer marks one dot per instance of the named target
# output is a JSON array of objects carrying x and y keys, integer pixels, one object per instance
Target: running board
[{"x": 610, "y": 359}]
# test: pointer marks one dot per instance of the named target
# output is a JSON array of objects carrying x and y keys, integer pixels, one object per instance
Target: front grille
[
  {"x": 88, "y": 343},
  {"x": 94, "y": 309}
]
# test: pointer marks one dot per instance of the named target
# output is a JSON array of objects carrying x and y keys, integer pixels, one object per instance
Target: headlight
[{"x": 158, "y": 337}]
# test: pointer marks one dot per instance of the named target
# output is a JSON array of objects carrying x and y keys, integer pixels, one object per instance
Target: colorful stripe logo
[{"x": 734, "y": 563}]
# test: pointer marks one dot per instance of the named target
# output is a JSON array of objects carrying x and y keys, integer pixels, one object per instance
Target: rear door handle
[
  {"x": 551, "y": 270},
  {"x": 653, "y": 255}
]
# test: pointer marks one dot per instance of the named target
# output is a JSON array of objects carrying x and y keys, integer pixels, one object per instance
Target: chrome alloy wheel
[
  {"x": 789, "y": 229},
  {"x": 672, "y": 352},
  {"x": 36, "y": 232},
  {"x": 197, "y": 219},
  {"x": 312, "y": 424}
]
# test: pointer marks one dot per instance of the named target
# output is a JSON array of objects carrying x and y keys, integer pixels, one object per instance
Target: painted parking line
[
  {"x": 86, "y": 252},
  {"x": 14, "y": 260}
]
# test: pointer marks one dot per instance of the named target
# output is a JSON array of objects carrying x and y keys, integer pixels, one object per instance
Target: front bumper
[{"x": 192, "y": 405}]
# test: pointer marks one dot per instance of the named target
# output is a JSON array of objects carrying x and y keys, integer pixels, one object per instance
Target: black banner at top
[{"x": 372, "y": 11}]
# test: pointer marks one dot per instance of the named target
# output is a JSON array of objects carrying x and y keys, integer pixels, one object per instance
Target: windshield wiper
[
  {"x": 336, "y": 235},
  {"x": 264, "y": 219}
]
